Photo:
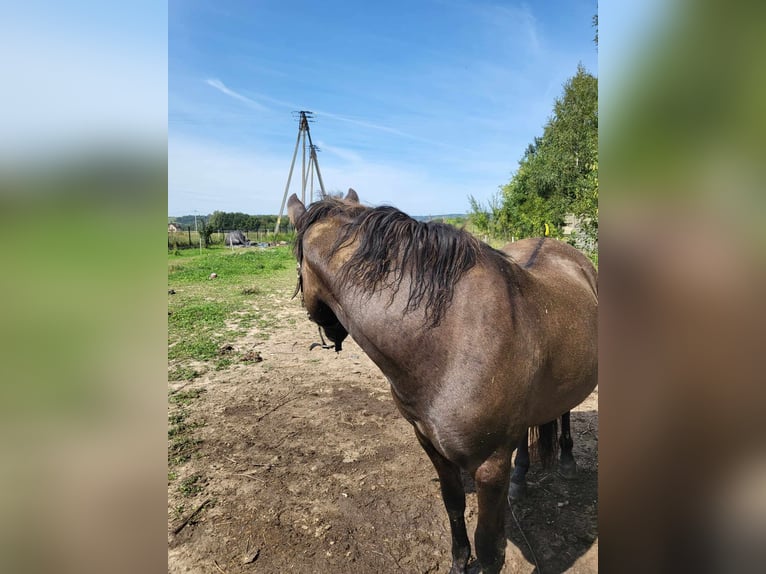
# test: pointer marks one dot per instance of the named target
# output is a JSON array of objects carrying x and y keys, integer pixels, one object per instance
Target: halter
[{"x": 299, "y": 289}]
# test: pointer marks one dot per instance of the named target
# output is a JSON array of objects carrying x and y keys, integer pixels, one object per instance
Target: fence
[{"x": 189, "y": 238}]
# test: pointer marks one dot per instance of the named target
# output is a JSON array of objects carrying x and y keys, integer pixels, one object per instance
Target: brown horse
[{"x": 478, "y": 345}]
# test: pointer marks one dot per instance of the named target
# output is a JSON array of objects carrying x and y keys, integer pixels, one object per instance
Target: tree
[
  {"x": 205, "y": 230},
  {"x": 216, "y": 220},
  {"x": 558, "y": 174},
  {"x": 489, "y": 219}
]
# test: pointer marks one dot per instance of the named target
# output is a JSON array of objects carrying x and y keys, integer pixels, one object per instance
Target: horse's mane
[{"x": 391, "y": 246}]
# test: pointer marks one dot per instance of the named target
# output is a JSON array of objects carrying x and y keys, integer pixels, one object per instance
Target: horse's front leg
[
  {"x": 492, "y": 479},
  {"x": 453, "y": 495}
]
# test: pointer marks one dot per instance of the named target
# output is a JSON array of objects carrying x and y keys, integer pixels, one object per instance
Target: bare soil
[{"x": 305, "y": 466}]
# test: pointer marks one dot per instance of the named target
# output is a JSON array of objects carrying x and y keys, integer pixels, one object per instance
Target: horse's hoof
[
  {"x": 517, "y": 491},
  {"x": 568, "y": 469}
]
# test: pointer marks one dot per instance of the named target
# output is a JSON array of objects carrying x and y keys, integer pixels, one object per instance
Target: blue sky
[{"x": 418, "y": 104}]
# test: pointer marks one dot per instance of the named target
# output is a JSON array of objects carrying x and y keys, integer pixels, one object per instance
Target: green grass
[
  {"x": 181, "y": 373},
  {"x": 192, "y": 484},
  {"x": 182, "y": 444},
  {"x": 230, "y": 266},
  {"x": 223, "y": 363},
  {"x": 205, "y": 313},
  {"x": 181, "y": 450},
  {"x": 186, "y": 397}
]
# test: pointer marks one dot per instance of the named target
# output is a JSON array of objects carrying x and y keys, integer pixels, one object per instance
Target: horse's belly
[{"x": 555, "y": 395}]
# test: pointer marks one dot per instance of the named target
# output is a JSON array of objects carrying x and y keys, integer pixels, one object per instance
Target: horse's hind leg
[
  {"x": 518, "y": 488},
  {"x": 453, "y": 495},
  {"x": 492, "y": 478},
  {"x": 567, "y": 465}
]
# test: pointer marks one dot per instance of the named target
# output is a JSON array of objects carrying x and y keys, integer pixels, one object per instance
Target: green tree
[
  {"x": 558, "y": 174},
  {"x": 489, "y": 219},
  {"x": 216, "y": 220},
  {"x": 205, "y": 231}
]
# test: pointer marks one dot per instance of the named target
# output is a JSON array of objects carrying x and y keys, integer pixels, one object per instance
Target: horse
[{"x": 478, "y": 345}]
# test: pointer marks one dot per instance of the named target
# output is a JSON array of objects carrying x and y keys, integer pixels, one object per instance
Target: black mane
[{"x": 391, "y": 246}]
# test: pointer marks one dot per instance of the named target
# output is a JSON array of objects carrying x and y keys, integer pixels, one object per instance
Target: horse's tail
[{"x": 544, "y": 441}]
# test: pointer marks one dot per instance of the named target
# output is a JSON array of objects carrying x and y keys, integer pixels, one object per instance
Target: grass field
[{"x": 203, "y": 313}]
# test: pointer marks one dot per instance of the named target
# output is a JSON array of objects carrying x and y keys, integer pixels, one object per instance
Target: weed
[
  {"x": 181, "y": 450},
  {"x": 181, "y": 427},
  {"x": 192, "y": 484},
  {"x": 192, "y": 316},
  {"x": 221, "y": 364},
  {"x": 199, "y": 347},
  {"x": 180, "y": 373},
  {"x": 186, "y": 397}
]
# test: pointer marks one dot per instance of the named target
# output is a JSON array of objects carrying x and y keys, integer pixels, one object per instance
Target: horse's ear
[
  {"x": 295, "y": 208},
  {"x": 352, "y": 196}
]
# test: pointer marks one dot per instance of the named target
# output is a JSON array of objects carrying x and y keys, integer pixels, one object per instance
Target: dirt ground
[{"x": 306, "y": 466}]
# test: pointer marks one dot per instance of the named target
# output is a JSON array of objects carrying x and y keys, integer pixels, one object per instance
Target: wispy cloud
[{"x": 221, "y": 87}]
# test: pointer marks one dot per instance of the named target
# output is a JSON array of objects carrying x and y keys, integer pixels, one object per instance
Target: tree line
[{"x": 230, "y": 221}]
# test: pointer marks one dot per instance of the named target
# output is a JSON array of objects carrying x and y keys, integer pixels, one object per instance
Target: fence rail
[{"x": 189, "y": 238}]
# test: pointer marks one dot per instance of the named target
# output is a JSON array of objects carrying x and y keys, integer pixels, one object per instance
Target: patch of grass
[
  {"x": 186, "y": 397},
  {"x": 229, "y": 265},
  {"x": 192, "y": 485},
  {"x": 182, "y": 445},
  {"x": 199, "y": 347},
  {"x": 176, "y": 418},
  {"x": 179, "y": 424},
  {"x": 180, "y": 373},
  {"x": 172, "y": 475},
  {"x": 265, "y": 322},
  {"x": 182, "y": 449},
  {"x": 204, "y": 312},
  {"x": 191, "y": 316},
  {"x": 221, "y": 364}
]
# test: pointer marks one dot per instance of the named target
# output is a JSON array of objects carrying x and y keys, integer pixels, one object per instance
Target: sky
[{"x": 417, "y": 104}]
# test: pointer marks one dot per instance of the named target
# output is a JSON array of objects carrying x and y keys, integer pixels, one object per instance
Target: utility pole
[{"x": 307, "y": 173}]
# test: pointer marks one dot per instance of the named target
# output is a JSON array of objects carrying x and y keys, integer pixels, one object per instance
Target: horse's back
[
  {"x": 553, "y": 260},
  {"x": 560, "y": 293}
]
